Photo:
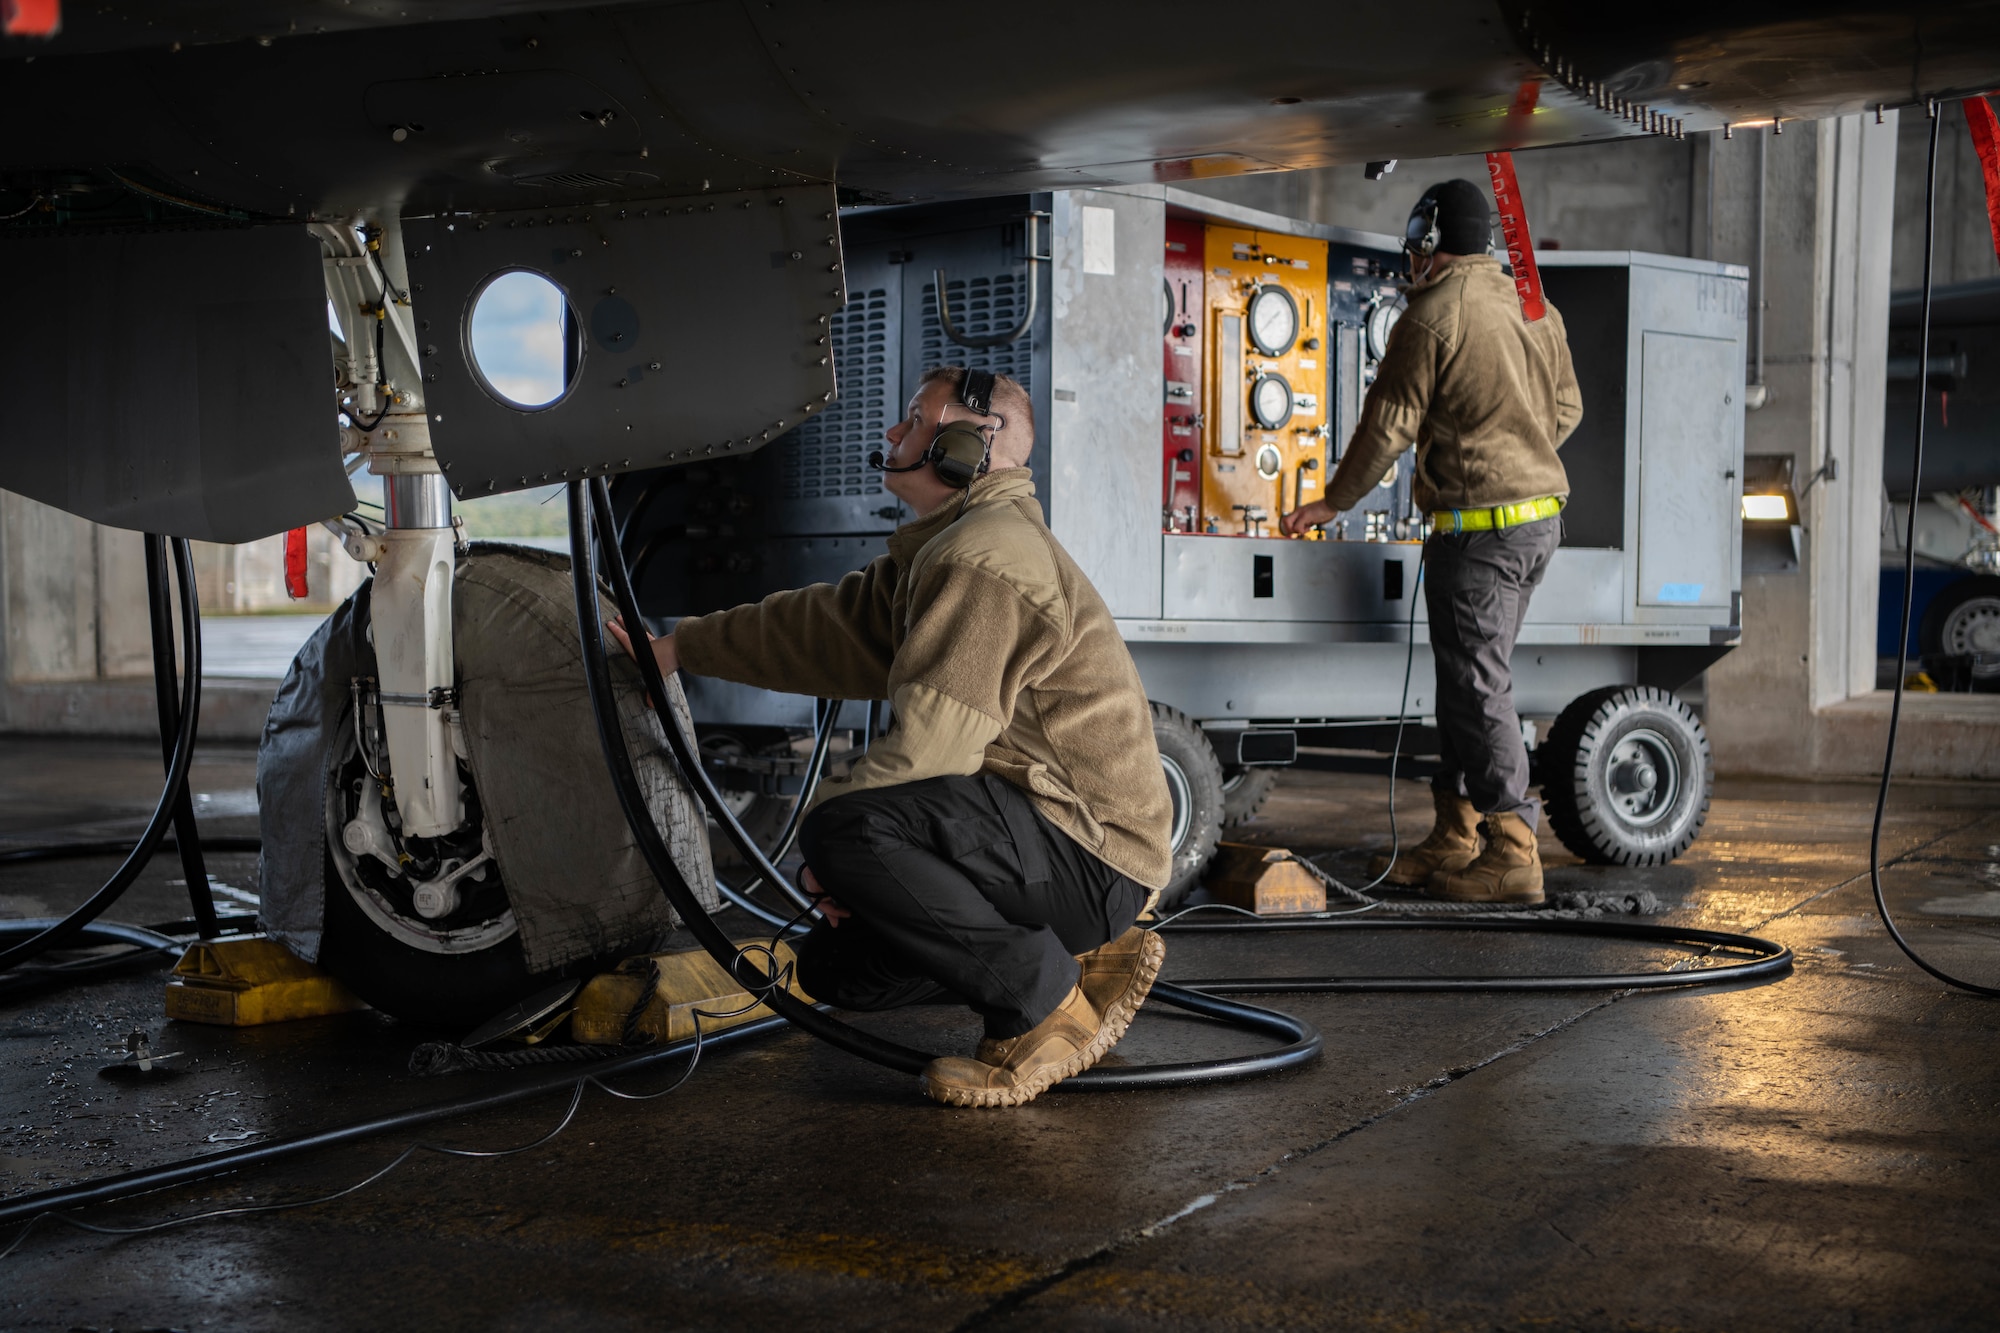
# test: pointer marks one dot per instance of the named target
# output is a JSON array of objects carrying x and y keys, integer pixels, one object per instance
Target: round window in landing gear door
[{"x": 523, "y": 341}]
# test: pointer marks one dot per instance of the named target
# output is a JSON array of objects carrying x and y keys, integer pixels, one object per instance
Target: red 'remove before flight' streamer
[
  {"x": 295, "y": 564},
  {"x": 30, "y": 18},
  {"x": 1985, "y": 129},
  {"x": 1514, "y": 226}
]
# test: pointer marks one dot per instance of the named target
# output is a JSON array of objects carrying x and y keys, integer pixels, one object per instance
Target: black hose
[
  {"x": 95, "y": 933},
  {"x": 71, "y": 851},
  {"x": 1910, "y": 584},
  {"x": 187, "y": 840},
  {"x": 597, "y": 510},
  {"x": 129, "y": 1183},
  {"x": 1304, "y": 1041},
  {"x": 610, "y": 735},
  {"x": 643, "y": 502},
  {"x": 150, "y": 948},
  {"x": 70, "y": 927},
  {"x": 829, "y": 713}
]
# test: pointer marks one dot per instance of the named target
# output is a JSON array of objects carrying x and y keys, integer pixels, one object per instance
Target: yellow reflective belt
[{"x": 1500, "y": 516}]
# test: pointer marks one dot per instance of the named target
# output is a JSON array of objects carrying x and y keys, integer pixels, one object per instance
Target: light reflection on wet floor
[{"x": 1813, "y": 1151}]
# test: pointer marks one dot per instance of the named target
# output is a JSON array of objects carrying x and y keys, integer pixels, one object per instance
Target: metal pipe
[
  {"x": 1021, "y": 326},
  {"x": 416, "y": 500},
  {"x": 1757, "y": 273}
]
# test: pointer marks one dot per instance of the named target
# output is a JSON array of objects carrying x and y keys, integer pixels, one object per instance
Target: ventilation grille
[
  {"x": 827, "y": 457},
  {"x": 979, "y": 307}
]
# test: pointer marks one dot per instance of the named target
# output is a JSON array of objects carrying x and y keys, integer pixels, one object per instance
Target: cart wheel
[
  {"x": 1194, "y": 781},
  {"x": 1626, "y": 776},
  {"x": 1244, "y": 791}
]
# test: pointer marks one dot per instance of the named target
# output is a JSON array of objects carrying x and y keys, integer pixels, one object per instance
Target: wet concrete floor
[{"x": 1816, "y": 1152}]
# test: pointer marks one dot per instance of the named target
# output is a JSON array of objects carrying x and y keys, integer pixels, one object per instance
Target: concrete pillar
[
  {"x": 1809, "y": 636},
  {"x": 76, "y": 647}
]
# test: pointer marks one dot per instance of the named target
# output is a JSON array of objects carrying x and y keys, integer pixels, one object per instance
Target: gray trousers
[{"x": 1476, "y": 589}]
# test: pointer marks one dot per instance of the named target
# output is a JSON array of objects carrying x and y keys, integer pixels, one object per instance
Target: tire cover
[
  {"x": 291, "y": 777},
  {"x": 575, "y": 877}
]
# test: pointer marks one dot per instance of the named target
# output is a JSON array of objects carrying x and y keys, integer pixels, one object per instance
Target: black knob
[
  {"x": 1312, "y": 344},
  {"x": 1186, "y": 330},
  {"x": 1185, "y": 455}
]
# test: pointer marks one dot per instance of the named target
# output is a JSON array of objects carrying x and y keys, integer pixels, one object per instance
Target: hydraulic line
[
  {"x": 1304, "y": 1041},
  {"x": 70, "y": 927},
  {"x": 1910, "y": 583}
]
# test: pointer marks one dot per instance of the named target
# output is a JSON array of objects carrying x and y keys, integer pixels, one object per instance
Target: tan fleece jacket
[
  {"x": 1485, "y": 396},
  {"x": 998, "y": 656}
]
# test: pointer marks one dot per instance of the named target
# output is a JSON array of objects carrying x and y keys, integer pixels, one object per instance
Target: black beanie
[{"x": 1464, "y": 217}]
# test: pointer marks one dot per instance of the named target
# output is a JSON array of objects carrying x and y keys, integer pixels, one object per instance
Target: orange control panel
[{"x": 1264, "y": 393}]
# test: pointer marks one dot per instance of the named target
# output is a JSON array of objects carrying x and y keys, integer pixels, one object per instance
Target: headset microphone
[
  {"x": 961, "y": 451},
  {"x": 876, "y": 461}
]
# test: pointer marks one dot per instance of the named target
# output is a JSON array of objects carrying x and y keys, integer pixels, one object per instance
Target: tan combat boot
[
  {"x": 1452, "y": 845},
  {"x": 1115, "y": 978},
  {"x": 1067, "y": 1042},
  {"x": 1508, "y": 871}
]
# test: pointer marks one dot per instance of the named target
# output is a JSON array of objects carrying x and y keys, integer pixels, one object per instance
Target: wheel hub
[
  {"x": 1643, "y": 777},
  {"x": 1182, "y": 796}
]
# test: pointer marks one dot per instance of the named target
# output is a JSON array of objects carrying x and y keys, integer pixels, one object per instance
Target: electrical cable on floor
[
  {"x": 47, "y": 1204},
  {"x": 1910, "y": 583}
]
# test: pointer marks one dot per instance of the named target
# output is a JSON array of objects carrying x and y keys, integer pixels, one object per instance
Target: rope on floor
[{"x": 1570, "y": 905}]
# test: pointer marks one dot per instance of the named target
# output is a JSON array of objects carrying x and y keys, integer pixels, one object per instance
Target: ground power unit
[{"x": 1197, "y": 368}]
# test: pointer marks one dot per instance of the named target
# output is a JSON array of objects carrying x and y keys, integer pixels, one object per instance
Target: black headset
[
  {"x": 1420, "y": 233},
  {"x": 962, "y": 451}
]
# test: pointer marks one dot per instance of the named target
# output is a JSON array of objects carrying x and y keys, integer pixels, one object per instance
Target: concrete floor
[{"x": 1817, "y": 1152}]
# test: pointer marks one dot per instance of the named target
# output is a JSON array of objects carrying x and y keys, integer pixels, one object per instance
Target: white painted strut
[{"x": 410, "y": 611}]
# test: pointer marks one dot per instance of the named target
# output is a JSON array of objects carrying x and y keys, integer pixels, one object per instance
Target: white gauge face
[
  {"x": 1381, "y": 319},
  {"x": 1270, "y": 462},
  {"x": 1271, "y": 401},
  {"x": 1274, "y": 321}
]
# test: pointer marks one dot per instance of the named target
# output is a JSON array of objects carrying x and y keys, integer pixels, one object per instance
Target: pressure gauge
[
  {"x": 1271, "y": 401},
  {"x": 1270, "y": 462},
  {"x": 1383, "y": 313},
  {"x": 1274, "y": 321}
]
